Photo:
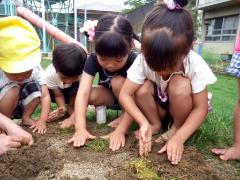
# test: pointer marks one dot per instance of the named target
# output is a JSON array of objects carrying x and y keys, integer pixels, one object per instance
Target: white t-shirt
[
  {"x": 53, "y": 80},
  {"x": 196, "y": 69},
  {"x": 38, "y": 75}
]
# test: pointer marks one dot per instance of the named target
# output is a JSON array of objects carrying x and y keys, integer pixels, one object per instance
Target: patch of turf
[
  {"x": 66, "y": 130},
  {"x": 97, "y": 145},
  {"x": 142, "y": 169}
]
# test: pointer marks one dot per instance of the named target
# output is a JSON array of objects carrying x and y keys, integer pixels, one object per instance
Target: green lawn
[{"x": 217, "y": 128}]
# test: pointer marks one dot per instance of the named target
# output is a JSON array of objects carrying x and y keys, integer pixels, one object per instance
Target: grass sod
[
  {"x": 97, "y": 145},
  {"x": 141, "y": 168}
]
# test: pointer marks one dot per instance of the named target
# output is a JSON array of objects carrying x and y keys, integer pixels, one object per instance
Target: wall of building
[{"x": 220, "y": 47}]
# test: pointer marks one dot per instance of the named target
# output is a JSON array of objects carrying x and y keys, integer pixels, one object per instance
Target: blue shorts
[
  {"x": 234, "y": 67},
  {"x": 28, "y": 92}
]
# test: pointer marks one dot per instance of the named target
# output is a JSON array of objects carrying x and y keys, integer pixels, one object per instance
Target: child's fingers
[
  {"x": 13, "y": 149},
  {"x": 173, "y": 156},
  {"x": 31, "y": 141},
  {"x": 141, "y": 147},
  {"x": 15, "y": 144},
  {"x": 70, "y": 140},
  {"x": 91, "y": 136},
  {"x": 105, "y": 137},
  {"x": 123, "y": 142},
  {"x": 113, "y": 144},
  {"x": 164, "y": 149},
  {"x": 219, "y": 151}
]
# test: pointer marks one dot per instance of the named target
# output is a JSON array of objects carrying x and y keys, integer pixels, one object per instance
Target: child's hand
[
  {"x": 116, "y": 140},
  {"x": 56, "y": 114},
  {"x": 174, "y": 148},
  {"x": 39, "y": 127},
  {"x": 25, "y": 137},
  {"x": 9, "y": 143},
  {"x": 80, "y": 137},
  {"x": 145, "y": 132}
]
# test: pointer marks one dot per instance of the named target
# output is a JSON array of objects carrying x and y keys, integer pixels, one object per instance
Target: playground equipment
[
  {"x": 53, "y": 31},
  {"x": 61, "y": 14},
  {"x": 7, "y": 8}
]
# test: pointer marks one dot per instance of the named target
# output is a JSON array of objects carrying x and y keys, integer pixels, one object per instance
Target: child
[
  {"x": 12, "y": 136},
  {"x": 22, "y": 84},
  {"x": 62, "y": 78},
  {"x": 233, "y": 153},
  {"x": 113, "y": 38},
  {"x": 180, "y": 79}
]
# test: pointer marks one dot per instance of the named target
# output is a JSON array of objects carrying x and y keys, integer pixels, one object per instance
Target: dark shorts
[
  {"x": 68, "y": 93},
  {"x": 28, "y": 92},
  {"x": 116, "y": 105},
  {"x": 168, "y": 120}
]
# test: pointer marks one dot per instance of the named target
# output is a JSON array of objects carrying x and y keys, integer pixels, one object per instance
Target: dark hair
[
  {"x": 113, "y": 36},
  {"x": 167, "y": 35},
  {"x": 69, "y": 59}
]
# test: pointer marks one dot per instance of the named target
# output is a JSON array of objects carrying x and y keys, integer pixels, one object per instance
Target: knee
[
  {"x": 14, "y": 93},
  {"x": 179, "y": 86},
  {"x": 145, "y": 90},
  {"x": 117, "y": 83}
]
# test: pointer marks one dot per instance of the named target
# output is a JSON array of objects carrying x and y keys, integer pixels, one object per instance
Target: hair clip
[
  {"x": 171, "y": 4},
  {"x": 89, "y": 29}
]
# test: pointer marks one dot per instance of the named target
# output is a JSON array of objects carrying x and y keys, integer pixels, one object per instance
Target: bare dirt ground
[{"x": 51, "y": 158}]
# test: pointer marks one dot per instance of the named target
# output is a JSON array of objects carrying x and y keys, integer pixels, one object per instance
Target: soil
[{"x": 52, "y": 158}]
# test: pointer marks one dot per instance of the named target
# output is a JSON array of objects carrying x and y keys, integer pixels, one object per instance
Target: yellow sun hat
[{"x": 19, "y": 45}]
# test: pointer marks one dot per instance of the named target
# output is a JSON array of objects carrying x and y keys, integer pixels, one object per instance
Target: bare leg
[
  {"x": 232, "y": 153},
  {"x": 9, "y": 102},
  {"x": 116, "y": 84},
  {"x": 99, "y": 96},
  {"x": 180, "y": 102},
  {"x": 146, "y": 102},
  {"x": 28, "y": 111}
]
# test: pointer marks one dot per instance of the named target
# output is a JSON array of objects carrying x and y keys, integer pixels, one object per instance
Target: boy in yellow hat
[{"x": 22, "y": 81}]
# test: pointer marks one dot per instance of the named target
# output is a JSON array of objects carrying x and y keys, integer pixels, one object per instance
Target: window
[{"x": 221, "y": 28}]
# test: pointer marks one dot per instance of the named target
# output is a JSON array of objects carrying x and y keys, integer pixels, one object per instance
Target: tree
[{"x": 135, "y": 4}]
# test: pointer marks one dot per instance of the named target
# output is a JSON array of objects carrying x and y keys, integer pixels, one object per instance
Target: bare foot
[
  {"x": 67, "y": 123},
  {"x": 115, "y": 122},
  {"x": 232, "y": 153},
  {"x": 155, "y": 130},
  {"x": 27, "y": 122},
  {"x": 163, "y": 138}
]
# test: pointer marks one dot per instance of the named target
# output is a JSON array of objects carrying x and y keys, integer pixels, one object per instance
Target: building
[{"x": 220, "y": 21}]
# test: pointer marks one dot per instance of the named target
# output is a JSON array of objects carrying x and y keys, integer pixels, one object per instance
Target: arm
[
  {"x": 236, "y": 125},
  {"x": 40, "y": 125},
  {"x": 15, "y": 137},
  {"x": 174, "y": 146},
  {"x": 61, "y": 110},
  {"x": 59, "y": 98},
  {"x": 127, "y": 100},
  {"x": 81, "y": 102}
]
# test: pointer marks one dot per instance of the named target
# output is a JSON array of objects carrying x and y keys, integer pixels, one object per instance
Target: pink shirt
[{"x": 237, "y": 43}]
